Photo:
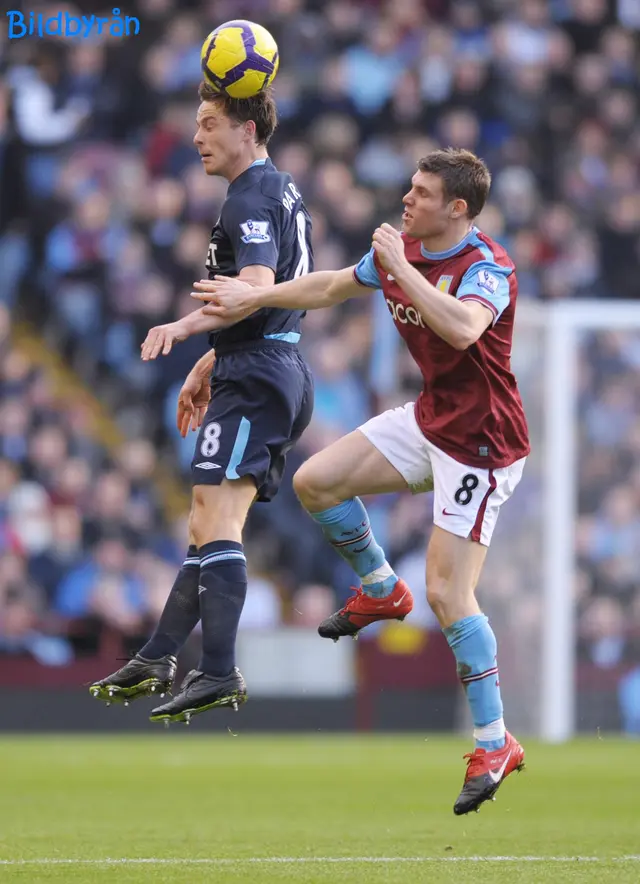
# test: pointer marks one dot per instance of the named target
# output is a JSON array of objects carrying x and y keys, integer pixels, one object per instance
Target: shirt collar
[
  {"x": 449, "y": 253},
  {"x": 249, "y": 175}
]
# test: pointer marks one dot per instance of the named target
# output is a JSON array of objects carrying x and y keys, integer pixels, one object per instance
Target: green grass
[{"x": 186, "y": 796}]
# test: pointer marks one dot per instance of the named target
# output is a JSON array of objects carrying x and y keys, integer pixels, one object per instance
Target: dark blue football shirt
[{"x": 263, "y": 221}]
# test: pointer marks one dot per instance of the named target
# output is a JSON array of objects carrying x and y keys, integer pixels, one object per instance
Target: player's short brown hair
[
  {"x": 261, "y": 108},
  {"x": 464, "y": 176}
]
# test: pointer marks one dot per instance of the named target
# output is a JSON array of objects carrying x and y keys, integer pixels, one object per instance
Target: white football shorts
[{"x": 467, "y": 499}]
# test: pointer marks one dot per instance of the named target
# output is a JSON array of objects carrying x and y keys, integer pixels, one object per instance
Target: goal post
[
  {"x": 559, "y": 513},
  {"x": 566, "y": 325}
]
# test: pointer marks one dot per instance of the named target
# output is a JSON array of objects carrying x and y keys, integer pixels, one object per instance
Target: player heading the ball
[{"x": 249, "y": 398}]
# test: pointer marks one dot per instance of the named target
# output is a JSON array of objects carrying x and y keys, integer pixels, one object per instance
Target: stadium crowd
[{"x": 105, "y": 222}]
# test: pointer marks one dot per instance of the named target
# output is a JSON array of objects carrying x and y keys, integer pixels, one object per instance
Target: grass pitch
[{"x": 191, "y": 808}]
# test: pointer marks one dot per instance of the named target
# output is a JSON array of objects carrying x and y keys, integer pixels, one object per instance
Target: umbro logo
[{"x": 207, "y": 465}]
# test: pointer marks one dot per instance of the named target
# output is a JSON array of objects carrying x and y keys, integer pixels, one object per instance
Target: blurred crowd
[
  {"x": 105, "y": 222},
  {"x": 608, "y": 531}
]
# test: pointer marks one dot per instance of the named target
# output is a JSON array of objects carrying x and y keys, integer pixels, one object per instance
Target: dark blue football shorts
[{"x": 261, "y": 403}]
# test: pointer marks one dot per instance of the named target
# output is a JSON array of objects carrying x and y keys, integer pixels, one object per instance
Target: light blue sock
[
  {"x": 347, "y": 528},
  {"x": 474, "y": 646}
]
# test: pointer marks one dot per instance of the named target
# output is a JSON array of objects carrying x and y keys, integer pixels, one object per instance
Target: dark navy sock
[
  {"x": 222, "y": 591},
  {"x": 180, "y": 614}
]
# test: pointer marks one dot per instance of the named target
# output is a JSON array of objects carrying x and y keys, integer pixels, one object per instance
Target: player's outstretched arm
[
  {"x": 459, "y": 323},
  {"x": 226, "y": 297},
  {"x": 161, "y": 338}
]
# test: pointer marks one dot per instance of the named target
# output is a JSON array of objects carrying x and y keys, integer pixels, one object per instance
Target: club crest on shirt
[
  {"x": 444, "y": 283},
  {"x": 255, "y": 231}
]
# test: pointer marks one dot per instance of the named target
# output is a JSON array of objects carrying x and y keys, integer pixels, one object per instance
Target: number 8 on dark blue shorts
[{"x": 261, "y": 403}]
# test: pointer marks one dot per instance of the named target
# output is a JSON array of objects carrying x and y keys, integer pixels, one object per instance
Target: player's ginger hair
[
  {"x": 464, "y": 176},
  {"x": 261, "y": 108}
]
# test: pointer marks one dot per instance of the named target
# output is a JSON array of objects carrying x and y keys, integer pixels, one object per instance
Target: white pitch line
[{"x": 291, "y": 860}]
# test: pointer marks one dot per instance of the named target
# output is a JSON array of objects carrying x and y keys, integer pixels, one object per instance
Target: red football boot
[
  {"x": 486, "y": 771},
  {"x": 362, "y": 609}
]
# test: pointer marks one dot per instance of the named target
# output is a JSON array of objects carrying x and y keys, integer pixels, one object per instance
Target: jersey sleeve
[
  {"x": 254, "y": 231},
  {"x": 366, "y": 273},
  {"x": 487, "y": 283}
]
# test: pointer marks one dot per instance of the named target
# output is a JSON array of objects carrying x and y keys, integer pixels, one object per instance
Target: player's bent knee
[
  {"x": 219, "y": 512},
  {"x": 451, "y": 599},
  {"x": 301, "y": 484},
  {"x": 447, "y": 604},
  {"x": 190, "y": 526},
  {"x": 436, "y": 596},
  {"x": 307, "y": 486},
  {"x": 208, "y": 525}
]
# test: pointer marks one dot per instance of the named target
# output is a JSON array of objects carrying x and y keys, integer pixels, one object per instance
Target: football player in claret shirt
[
  {"x": 452, "y": 292},
  {"x": 250, "y": 397}
]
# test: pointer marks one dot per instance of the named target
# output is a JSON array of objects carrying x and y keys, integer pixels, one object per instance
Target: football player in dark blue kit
[{"x": 250, "y": 397}]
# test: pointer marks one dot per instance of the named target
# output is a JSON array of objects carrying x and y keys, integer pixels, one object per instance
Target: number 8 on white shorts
[{"x": 467, "y": 499}]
